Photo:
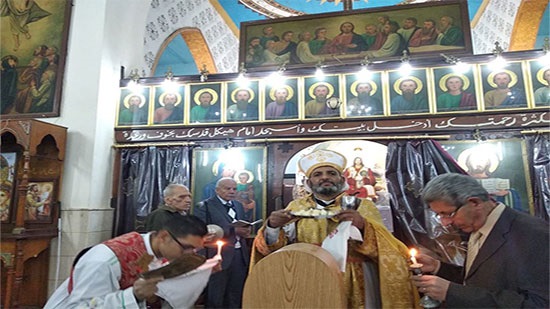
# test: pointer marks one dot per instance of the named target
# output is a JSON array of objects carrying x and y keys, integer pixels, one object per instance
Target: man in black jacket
[
  {"x": 225, "y": 287},
  {"x": 507, "y": 262}
]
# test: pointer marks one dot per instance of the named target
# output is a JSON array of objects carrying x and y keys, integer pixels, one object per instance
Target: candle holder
[{"x": 426, "y": 301}]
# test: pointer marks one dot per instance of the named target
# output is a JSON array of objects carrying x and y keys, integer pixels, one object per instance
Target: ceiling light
[
  {"x": 499, "y": 62},
  {"x": 405, "y": 67}
]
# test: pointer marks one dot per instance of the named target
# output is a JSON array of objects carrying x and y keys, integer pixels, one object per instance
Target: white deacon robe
[{"x": 95, "y": 282}]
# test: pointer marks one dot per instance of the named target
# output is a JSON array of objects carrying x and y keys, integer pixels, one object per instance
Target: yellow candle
[{"x": 220, "y": 245}]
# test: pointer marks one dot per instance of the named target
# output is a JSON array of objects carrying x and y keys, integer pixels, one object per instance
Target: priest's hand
[
  {"x": 279, "y": 218},
  {"x": 146, "y": 288},
  {"x": 354, "y": 216}
]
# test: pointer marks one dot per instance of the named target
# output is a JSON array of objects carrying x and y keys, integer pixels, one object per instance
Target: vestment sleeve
[{"x": 95, "y": 282}]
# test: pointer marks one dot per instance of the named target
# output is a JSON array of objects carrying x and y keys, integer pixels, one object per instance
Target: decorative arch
[
  {"x": 526, "y": 26},
  {"x": 197, "y": 47}
]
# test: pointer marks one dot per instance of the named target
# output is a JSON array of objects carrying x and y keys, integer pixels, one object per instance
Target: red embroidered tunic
[{"x": 128, "y": 248}]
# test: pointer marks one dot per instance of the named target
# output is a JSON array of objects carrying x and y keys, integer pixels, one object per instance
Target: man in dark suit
[
  {"x": 507, "y": 261},
  {"x": 225, "y": 288}
]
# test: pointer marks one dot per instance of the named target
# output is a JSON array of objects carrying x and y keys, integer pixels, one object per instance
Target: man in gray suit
[
  {"x": 225, "y": 288},
  {"x": 507, "y": 261}
]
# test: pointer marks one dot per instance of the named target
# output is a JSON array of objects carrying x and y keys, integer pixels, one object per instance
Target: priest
[{"x": 376, "y": 264}]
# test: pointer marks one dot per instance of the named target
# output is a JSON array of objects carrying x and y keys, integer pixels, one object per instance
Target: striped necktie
[{"x": 473, "y": 248}]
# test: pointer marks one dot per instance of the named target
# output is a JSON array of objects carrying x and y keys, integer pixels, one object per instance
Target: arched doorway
[{"x": 365, "y": 172}]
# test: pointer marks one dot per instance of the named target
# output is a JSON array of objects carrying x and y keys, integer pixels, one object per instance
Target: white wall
[{"x": 104, "y": 35}]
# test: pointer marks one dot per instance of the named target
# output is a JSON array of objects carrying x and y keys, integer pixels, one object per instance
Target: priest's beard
[{"x": 334, "y": 189}]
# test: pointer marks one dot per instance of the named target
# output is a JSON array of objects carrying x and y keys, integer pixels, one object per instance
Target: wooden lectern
[{"x": 295, "y": 276}]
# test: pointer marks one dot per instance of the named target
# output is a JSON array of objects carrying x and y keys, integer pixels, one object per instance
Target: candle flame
[
  {"x": 413, "y": 252},
  {"x": 219, "y": 243}
]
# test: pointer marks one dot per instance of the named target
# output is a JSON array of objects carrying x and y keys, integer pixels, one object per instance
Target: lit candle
[
  {"x": 413, "y": 253},
  {"x": 220, "y": 245}
]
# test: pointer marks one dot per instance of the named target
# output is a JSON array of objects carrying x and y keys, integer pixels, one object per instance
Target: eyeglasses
[
  {"x": 185, "y": 247},
  {"x": 449, "y": 216},
  {"x": 445, "y": 216}
]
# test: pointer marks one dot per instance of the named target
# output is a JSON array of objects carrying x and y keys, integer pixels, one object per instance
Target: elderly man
[
  {"x": 225, "y": 288},
  {"x": 177, "y": 202},
  {"x": 323, "y": 169},
  {"x": 507, "y": 259},
  {"x": 107, "y": 275}
]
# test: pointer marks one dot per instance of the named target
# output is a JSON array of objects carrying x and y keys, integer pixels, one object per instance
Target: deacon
[
  {"x": 323, "y": 169},
  {"x": 107, "y": 275}
]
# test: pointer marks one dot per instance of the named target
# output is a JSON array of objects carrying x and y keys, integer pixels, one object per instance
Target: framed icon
[
  {"x": 247, "y": 165},
  {"x": 133, "y": 107},
  {"x": 500, "y": 166},
  {"x": 8, "y": 161},
  {"x": 503, "y": 88},
  {"x": 169, "y": 104},
  {"x": 454, "y": 91},
  {"x": 205, "y": 103},
  {"x": 408, "y": 93},
  {"x": 281, "y": 99},
  {"x": 363, "y": 95},
  {"x": 40, "y": 201},
  {"x": 540, "y": 81},
  {"x": 242, "y": 101},
  {"x": 317, "y": 93}
]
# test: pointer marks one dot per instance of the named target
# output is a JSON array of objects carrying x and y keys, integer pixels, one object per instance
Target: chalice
[
  {"x": 416, "y": 268},
  {"x": 349, "y": 202}
]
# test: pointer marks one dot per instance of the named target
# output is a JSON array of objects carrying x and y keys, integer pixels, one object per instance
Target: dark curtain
[
  {"x": 539, "y": 155},
  {"x": 409, "y": 166},
  {"x": 144, "y": 173}
]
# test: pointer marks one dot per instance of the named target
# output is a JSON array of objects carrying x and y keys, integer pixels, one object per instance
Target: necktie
[
  {"x": 473, "y": 248},
  {"x": 230, "y": 210}
]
